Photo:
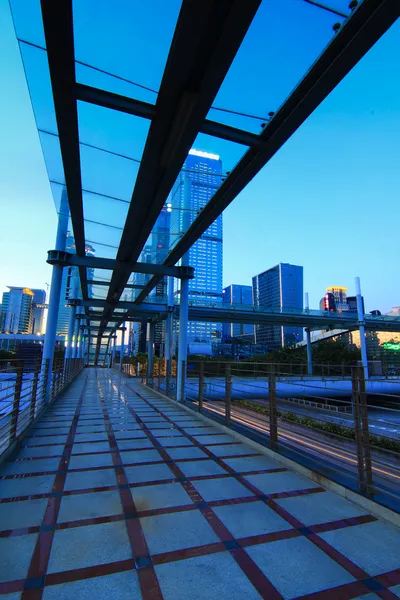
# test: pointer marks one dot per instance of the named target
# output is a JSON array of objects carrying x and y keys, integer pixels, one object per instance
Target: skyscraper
[
  {"x": 66, "y": 285},
  {"x": 237, "y": 294},
  {"x": 39, "y": 300},
  {"x": 279, "y": 287},
  {"x": 198, "y": 180},
  {"x": 17, "y": 305}
]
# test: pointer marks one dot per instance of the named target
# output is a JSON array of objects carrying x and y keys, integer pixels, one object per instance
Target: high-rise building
[
  {"x": 279, "y": 287},
  {"x": 237, "y": 294},
  {"x": 66, "y": 285},
  {"x": 198, "y": 180},
  {"x": 339, "y": 294},
  {"x": 17, "y": 305},
  {"x": 39, "y": 301}
]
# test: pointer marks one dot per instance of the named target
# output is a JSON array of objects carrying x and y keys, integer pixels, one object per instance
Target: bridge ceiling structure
[{"x": 122, "y": 91}]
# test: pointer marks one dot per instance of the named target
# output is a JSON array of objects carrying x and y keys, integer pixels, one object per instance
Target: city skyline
[{"x": 338, "y": 164}]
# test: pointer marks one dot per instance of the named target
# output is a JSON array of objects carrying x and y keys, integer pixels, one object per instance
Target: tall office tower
[
  {"x": 279, "y": 287},
  {"x": 17, "y": 305},
  {"x": 39, "y": 301},
  {"x": 198, "y": 180},
  {"x": 339, "y": 294},
  {"x": 237, "y": 294},
  {"x": 69, "y": 273}
]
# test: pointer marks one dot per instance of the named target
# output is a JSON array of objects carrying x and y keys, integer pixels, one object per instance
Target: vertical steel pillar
[
  {"x": 122, "y": 351},
  {"x": 76, "y": 338},
  {"x": 169, "y": 335},
  {"x": 55, "y": 291},
  {"x": 113, "y": 349},
  {"x": 183, "y": 341},
  {"x": 184, "y": 303},
  {"x": 308, "y": 340},
  {"x": 150, "y": 352},
  {"x": 361, "y": 320}
]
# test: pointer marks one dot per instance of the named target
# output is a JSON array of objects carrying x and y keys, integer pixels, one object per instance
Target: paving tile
[
  {"x": 134, "y": 444},
  {"x": 320, "y": 508},
  {"x": 160, "y": 496},
  {"x": 148, "y": 473},
  {"x": 89, "y": 545},
  {"x": 140, "y": 456},
  {"x": 36, "y": 465},
  {"x": 314, "y": 570},
  {"x": 273, "y": 483},
  {"x": 86, "y": 448},
  {"x": 213, "y": 577},
  {"x": 15, "y": 556},
  {"x": 373, "y": 546},
  {"x": 91, "y": 437},
  {"x": 27, "y": 513},
  {"x": 189, "y": 452},
  {"x": 41, "y": 451},
  {"x": 231, "y": 450},
  {"x": 165, "y": 533},
  {"x": 221, "y": 489},
  {"x": 170, "y": 433},
  {"x": 252, "y": 463},
  {"x": 95, "y": 460},
  {"x": 170, "y": 442},
  {"x": 90, "y": 479},
  {"x": 12, "y": 488},
  {"x": 130, "y": 435},
  {"x": 197, "y": 468},
  {"x": 43, "y": 441},
  {"x": 245, "y": 520},
  {"x": 89, "y": 506},
  {"x": 395, "y": 590},
  {"x": 214, "y": 439},
  {"x": 119, "y": 586}
]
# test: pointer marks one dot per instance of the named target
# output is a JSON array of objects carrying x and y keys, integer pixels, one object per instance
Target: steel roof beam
[
  {"x": 207, "y": 37},
  {"x": 148, "y": 111},
  {"x": 58, "y": 30},
  {"x": 366, "y": 26}
]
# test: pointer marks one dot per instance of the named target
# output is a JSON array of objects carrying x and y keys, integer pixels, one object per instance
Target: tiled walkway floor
[{"x": 120, "y": 494}]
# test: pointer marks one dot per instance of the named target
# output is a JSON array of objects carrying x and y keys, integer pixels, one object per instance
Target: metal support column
[
  {"x": 113, "y": 350},
  {"x": 169, "y": 336},
  {"x": 69, "y": 352},
  {"x": 308, "y": 340},
  {"x": 76, "y": 338},
  {"x": 55, "y": 291},
  {"x": 150, "y": 352},
  {"x": 122, "y": 351},
  {"x": 183, "y": 342},
  {"x": 361, "y": 320},
  {"x": 184, "y": 303}
]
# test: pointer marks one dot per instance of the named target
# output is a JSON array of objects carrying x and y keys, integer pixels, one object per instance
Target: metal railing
[
  {"x": 26, "y": 389},
  {"x": 338, "y": 425}
]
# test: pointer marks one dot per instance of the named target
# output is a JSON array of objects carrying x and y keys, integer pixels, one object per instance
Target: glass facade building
[
  {"x": 17, "y": 307},
  {"x": 39, "y": 300},
  {"x": 199, "y": 178},
  {"x": 237, "y": 294},
  {"x": 279, "y": 287}
]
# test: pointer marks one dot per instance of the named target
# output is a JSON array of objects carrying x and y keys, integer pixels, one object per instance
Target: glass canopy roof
[{"x": 148, "y": 81}]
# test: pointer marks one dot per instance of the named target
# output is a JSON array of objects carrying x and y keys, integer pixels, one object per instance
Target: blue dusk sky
[{"x": 329, "y": 200}]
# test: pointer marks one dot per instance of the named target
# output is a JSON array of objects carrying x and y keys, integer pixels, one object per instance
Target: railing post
[
  {"x": 201, "y": 386},
  {"x": 17, "y": 399},
  {"x": 273, "y": 420},
  {"x": 34, "y": 393},
  {"x": 228, "y": 389},
  {"x": 45, "y": 389}
]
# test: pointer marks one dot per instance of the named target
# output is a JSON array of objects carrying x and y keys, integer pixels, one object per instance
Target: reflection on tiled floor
[{"x": 119, "y": 493}]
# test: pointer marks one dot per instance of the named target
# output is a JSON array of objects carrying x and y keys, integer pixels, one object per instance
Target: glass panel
[
  {"x": 27, "y": 17},
  {"x": 283, "y": 41},
  {"x": 131, "y": 39}
]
